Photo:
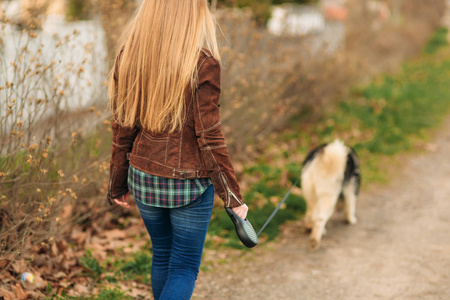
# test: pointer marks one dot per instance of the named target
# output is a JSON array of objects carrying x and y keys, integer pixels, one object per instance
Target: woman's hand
[
  {"x": 123, "y": 201},
  {"x": 241, "y": 211}
]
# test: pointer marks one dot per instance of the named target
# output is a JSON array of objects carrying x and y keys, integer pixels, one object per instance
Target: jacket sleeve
[
  {"x": 122, "y": 143},
  {"x": 209, "y": 135}
]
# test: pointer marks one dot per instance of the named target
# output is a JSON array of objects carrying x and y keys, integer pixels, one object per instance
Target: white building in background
[
  {"x": 296, "y": 20},
  {"x": 323, "y": 24},
  {"x": 307, "y": 19}
]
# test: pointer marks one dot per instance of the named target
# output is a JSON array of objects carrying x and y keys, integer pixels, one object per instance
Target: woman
[{"x": 168, "y": 149}]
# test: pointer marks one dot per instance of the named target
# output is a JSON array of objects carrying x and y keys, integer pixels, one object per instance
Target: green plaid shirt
[{"x": 164, "y": 192}]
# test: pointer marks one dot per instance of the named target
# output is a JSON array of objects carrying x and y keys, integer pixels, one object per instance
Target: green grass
[
  {"x": 92, "y": 266},
  {"x": 400, "y": 107},
  {"x": 105, "y": 294},
  {"x": 438, "y": 41},
  {"x": 139, "y": 268},
  {"x": 112, "y": 294}
]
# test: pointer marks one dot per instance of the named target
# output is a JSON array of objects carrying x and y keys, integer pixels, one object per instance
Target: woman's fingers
[
  {"x": 241, "y": 211},
  {"x": 123, "y": 201}
]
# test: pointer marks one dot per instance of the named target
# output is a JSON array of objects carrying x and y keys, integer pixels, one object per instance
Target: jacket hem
[{"x": 146, "y": 165}]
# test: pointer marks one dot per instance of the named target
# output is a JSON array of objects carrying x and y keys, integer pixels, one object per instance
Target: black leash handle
[
  {"x": 278, "y": 208},
  {"x": 244, "y": 229}
]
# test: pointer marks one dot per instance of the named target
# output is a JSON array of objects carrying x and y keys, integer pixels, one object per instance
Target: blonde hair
[{"x": 160, "y": 51}]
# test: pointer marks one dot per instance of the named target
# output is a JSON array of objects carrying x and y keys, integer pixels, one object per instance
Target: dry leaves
[
  {"x": 20, "y": 293},
  {"x": 6, "y": 295}
]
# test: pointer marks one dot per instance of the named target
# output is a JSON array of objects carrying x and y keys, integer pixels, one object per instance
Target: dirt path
[{"x": 400, "y": 249}]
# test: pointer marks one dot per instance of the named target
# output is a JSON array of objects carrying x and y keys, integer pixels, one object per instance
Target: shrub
[{"x": 47, "y": 161}]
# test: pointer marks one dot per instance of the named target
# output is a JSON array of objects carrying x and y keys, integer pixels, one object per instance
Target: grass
[
  {"x": 380, "y": 120},
  {"x": 438, "y": 41},
  {"x": 105, "y": 294},
  {"x": 92, "y": 265},
  {"x": 139, "y": 268}
]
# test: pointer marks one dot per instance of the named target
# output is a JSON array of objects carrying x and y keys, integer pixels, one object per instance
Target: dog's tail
[{"x": 334, "y": 157}]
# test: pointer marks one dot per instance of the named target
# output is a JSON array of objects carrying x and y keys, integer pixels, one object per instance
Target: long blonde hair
[{"x": 160, "y": 51}]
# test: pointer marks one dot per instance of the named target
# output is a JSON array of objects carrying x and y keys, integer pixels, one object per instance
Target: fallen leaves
[
  {"x": 57, "y": 268},
  {"x": 7, "y": 295},
  {"x": 20, "y": 293},
  {"x": 19, "y": 266}
]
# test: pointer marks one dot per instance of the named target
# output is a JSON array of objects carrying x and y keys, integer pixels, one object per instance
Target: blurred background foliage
[
  {"x": 261, "y": 9},
  {"x": 79, "y": 9}
]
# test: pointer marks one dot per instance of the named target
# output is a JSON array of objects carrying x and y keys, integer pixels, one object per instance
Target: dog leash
[
  {"x": 244, "y": 228},
  {"x": 278, "y": 207}
]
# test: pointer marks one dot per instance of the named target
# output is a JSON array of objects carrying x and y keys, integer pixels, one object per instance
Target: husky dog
[{"x": 330, "y": 171}]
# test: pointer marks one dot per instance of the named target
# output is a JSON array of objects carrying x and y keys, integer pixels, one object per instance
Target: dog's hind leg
[
  {"x": 320, "y": 216},
  {"x": 309, "y": 193},
  {"x": 349, "y": 192},
  {"x": 310, "y": 207}
]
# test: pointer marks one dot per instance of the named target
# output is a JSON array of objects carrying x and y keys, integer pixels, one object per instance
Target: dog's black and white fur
[{"x": 329, "y": 171}]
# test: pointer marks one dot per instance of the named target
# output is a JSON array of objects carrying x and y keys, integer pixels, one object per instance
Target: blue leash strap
[{"x": 277, "y": 208}]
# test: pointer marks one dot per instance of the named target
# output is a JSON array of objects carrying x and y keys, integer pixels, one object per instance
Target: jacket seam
[
  {"x": 119, "y": 167},
  {"x": 220, "y": 171},
  {"x": 121, "y": 145},
  {"x": 167, "y": 147},
  {"x": 213, "y": 147},
  {"x": 139, "y": 142},
  {"x": 118, "y": 133},
  {"x": 210, "y": 128},
  {"x": 155, "y": 139},
  {"x": 118, "y": 195}
]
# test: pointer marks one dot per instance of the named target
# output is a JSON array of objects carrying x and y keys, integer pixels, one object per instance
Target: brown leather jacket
[{"x": 197, "y": 151}]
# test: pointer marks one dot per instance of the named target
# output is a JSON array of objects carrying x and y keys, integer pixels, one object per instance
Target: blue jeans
[{"x": 178, "y": 236}]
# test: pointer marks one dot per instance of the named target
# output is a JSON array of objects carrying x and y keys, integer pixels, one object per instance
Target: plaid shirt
[{"x": 164, "y": 192}]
